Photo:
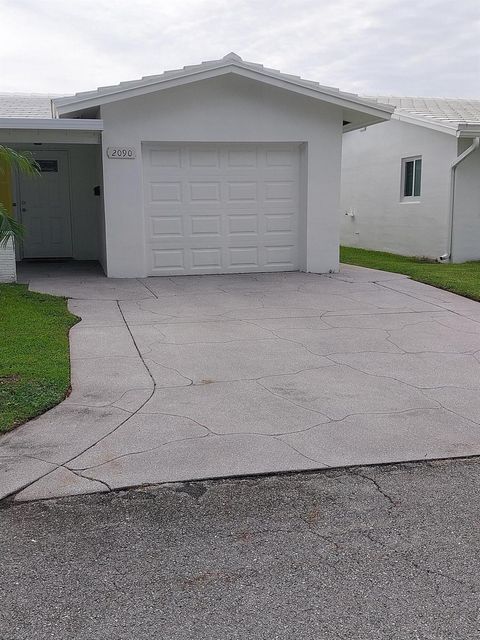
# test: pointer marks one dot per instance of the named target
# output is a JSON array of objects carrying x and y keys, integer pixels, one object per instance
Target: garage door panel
[
  {"x": 280, "y": 158},
  {"x": 242, "y": 223},
  {"x": 280, "y": 190},
  {"x": 242, "y": 191},
  {"x": 241, "y": 158},
  {"x": 167, "y": 260},
  {"x": 282, "y": 256},
  {"x": 204, "y": 192},
  {"x": 166, "y": 226},
  {"x": 165, "y": 158},
  {"x": 221, "y": 208},
  {"x": 244, "y": 257},
  {"x": 165, "y": 192},
  {"x": 280, "y": 223},
  {"x": 204, "y": 157},
  {"x": 205, "y": 225},
  {"x": 202, "y": 258}
]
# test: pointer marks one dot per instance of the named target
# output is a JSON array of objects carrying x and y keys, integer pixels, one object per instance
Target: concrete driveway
[{"x": 200, "y": 377}]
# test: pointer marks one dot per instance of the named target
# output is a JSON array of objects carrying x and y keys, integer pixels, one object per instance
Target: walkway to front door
[{"x": 185, "y": 378}]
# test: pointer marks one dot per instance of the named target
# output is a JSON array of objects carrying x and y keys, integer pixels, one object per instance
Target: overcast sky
[{"x": 408, "y": 47}]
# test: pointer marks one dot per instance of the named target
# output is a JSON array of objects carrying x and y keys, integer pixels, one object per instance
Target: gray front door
[{"x": 45, "y": 208}]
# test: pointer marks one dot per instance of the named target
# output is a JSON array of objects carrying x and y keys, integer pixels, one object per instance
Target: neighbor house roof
[
  {"x": 231, "y": 63},
  {"x": 35, "y": 111},
  {"x": 454, "y": 115},
  {"x": 25, "y": 105}
]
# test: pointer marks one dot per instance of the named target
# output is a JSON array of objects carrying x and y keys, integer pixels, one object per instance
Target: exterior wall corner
[{"x": 8, "y": 267}]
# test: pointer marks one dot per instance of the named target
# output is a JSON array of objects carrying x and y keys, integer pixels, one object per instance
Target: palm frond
[
  {"x": 21, "y": 160},
  {"x": 10, "y": 229}
]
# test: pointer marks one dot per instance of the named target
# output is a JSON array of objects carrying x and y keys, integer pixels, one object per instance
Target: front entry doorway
[{"x": 44, "y": 207}]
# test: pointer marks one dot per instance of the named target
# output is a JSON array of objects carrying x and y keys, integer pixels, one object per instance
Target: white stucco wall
[
  {"x": 225, "y": 109},
  {"x": 466, "y": 219},
  {"x": 371, "y": 189},
  {"x": 7, "y": 263}
]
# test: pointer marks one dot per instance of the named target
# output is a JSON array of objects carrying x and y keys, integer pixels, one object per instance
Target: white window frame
[{"x": 412, "y": 198}]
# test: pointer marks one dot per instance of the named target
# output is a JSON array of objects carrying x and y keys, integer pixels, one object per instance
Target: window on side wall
[{"x": 411, "y": 187}]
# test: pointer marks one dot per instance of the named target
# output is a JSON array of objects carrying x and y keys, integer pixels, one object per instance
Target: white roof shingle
[
  {"x": 26, "y": 105},
  {"x": 448, "y": 112}
]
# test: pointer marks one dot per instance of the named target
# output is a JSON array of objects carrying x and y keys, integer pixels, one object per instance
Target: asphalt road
[{"x": 364, "y": 554}]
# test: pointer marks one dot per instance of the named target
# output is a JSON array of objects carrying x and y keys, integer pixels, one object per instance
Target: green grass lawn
[
  {"x": 34, "y": 353},
  {"x": 463, "y": 279}
]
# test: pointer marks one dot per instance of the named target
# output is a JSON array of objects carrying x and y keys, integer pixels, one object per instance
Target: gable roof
[
  {"x": 26, "y": 105},
  {"x": 459, "y": 116},
  {"x": 231, "y": 63}
]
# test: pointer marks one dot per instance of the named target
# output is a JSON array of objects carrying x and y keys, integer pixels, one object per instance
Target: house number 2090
[{"x": 121, "y": 153}]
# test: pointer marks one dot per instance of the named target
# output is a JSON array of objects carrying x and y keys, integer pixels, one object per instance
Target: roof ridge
[{"x": 229, "y": 58}]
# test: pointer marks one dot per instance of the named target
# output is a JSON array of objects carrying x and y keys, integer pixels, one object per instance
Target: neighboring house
[
  {"x": 412, "y": 185},
  {"x": 222, "y": 167}
]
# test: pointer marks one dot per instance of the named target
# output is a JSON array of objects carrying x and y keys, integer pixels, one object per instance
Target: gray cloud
[{"x": 404, "y": 47}]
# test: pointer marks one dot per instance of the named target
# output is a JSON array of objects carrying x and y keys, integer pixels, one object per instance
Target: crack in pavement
[
  {"x": 211, "y": 433},
  {"x": 139, "y": 452},
  {"x": 376, "y": 484},
  {"x": 438, "y": 304},
  {"x": 66, "y": 462},
  {"x": 387, "y": 377},
  {"x": 359, "y": 413},
  {"x": 289, "y": 400},
  {"x": 421, "y": 567},
  {"x": 76, "y": 472},
  {"x": 164, "y": 366},
  {"x": 325, "y": 355}
]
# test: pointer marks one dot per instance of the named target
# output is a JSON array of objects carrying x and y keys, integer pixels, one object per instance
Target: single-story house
[
  {"x": 412, "y": 185},
  {"x": 221, "y": 167}
]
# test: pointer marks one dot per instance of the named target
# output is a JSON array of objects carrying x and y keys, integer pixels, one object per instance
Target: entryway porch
[{"x": 61, "y": 209}]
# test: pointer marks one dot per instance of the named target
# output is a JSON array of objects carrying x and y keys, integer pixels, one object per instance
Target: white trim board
[
  {"x": 64, "y": 124},
  {"x": 453, "y": 128}
]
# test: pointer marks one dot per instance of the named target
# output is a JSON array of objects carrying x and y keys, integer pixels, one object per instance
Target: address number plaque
[{"x": 121, "y": 153}]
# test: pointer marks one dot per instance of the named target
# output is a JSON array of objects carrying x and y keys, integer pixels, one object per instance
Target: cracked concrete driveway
[{"x": 200, "y": 377}]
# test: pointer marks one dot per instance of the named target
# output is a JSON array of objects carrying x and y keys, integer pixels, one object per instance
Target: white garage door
[{"x": 221, "y": 208}]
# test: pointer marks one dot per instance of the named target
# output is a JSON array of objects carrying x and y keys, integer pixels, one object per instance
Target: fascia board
[
  {"x": 66, "y": 124},
  {"x": 468, "y": 130},
  {"x": 436, "y": 125}
]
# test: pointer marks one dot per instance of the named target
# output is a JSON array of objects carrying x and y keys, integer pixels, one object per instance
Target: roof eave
[
  {"x": 436, "y": 125},
  {"x": 63, "y": 124},
  {"x": 65, "y": 106},
  {"x": 355, "y": 126}
]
